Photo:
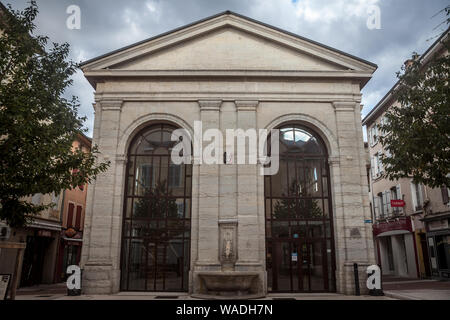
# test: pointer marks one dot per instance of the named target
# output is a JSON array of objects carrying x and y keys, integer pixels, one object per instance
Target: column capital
[
  {"x": 121, "y": 158},
  {"x": 210, "y": 105},
  {"x": 246, "y": 105},
  {"x": 333, "y": 161},
  {"x": 345, "y": 105},
  {"x": 111, "y": 105}
]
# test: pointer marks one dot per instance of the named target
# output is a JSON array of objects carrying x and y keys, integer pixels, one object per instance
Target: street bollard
[{"x": 355, "y": 271}]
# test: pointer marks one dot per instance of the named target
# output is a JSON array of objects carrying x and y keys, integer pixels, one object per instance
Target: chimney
[{"x": 408, "y": 63}]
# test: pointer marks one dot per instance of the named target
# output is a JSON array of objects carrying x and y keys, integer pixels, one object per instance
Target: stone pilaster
[
  {"x": 99, "y": 269},
  {"x": 207, "y": 216},
  {"x": 247, "y": 195},
  {"x": 351, "y": 238}
]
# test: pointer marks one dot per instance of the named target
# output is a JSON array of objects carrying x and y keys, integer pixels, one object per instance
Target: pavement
[
  {"x": 393, "y": 288},
  {"x": 59, "y": 292},
  {"x": 416, "y": 289},
  {"x": 165, "y": 296}
]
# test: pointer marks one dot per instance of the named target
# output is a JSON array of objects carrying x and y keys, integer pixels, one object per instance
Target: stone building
[
  {"x": 223, "y": 228},
  {"x": 412, "y": 240}
]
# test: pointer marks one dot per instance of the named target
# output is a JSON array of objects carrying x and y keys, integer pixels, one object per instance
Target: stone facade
[{"x": 229, "y": 72}]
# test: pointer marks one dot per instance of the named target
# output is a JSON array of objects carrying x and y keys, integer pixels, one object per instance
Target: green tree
[
  {"x": 416, "y": 132},
  {"x": 157, "y": 203},
  {"x": 287, "y": 208},
  {"x": 37, "y": 124}
]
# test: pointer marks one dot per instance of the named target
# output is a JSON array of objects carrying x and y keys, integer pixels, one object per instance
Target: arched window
[
  {"x": 299, "y": 229},
  {"x": 157, "y": 215}
]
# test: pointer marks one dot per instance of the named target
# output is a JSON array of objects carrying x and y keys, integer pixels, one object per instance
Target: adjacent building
[
  {"x": 223, "y": 228},
  {"x": 42, "y": 241},
  {"x": 411, "y": 240},
  {"x": 73, "y": 208},
  {"x": 54, "y": 237}
]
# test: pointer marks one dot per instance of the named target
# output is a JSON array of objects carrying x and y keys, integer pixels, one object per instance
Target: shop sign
[
  {"x": 397, "y": 203},
  {"x": 44, "y": 233},
  {"x": 438, "y": 225}
]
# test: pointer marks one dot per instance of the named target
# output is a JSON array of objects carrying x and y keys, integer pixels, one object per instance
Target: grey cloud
[{"x": 110, "y": 24}]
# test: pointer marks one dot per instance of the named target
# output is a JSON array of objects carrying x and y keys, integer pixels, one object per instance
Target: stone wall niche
[
  {"x": 228, "y": 244},
  {"x": 228, "y": 283}
]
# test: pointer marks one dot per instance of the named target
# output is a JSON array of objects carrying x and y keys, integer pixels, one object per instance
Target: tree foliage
[
  {"x": 416, "y": 132},
  {"x": 37, "y": 123},
  {"x": 298, "y": 206}
]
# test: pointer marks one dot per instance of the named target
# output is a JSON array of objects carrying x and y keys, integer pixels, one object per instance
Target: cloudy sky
[{"x": 106, "y": 25}]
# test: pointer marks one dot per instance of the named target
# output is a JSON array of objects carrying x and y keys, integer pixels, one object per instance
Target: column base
[
  {"x": 99, "y": 277},
  {"x": 346, "y": 278}
]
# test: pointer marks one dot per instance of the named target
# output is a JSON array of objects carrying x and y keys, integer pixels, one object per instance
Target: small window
[
  {"x": 416, "y": 192},
  {"x": 36, "y": 199},
  {"x": 445, "y": 194}
]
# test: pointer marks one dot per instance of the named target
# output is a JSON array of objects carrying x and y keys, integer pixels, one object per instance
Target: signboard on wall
[
  {"x": 397, "y": 203},
  {"x": 5, "y": 279},
  {"x": 438, "y": 225}
]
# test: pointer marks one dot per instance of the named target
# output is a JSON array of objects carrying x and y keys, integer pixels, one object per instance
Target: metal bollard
[{"x": 355, "y": 271}]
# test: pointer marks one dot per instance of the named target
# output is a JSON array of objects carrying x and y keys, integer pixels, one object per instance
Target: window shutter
[
  {"x": 376, "y": 207},
  {"x": 372, "y": 167},
  {"x": 375, "y": 162},
  {"x": 385, "y": 203},
  {"x": 70, "y": 215},
  {"x": 399, "y": 196},
  {"x": 414, "y": 197},
  {"x": 380, "y": 164},
  {"x": 370, "y": 137},
  {"x": 388, "y": 201},
  {"x": 444, "y": 191},
  {"x": 420, "y": 189},
  {"x": 78, "y": 218}
]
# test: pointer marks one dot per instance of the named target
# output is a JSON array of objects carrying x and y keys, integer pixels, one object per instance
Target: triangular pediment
[
  {"x": 228, "y": 48},
  {"x": 227, "y": 42}
]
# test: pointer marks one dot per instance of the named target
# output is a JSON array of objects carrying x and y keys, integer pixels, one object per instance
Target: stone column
[
  {"x": 98, "y": 265},
  {"x": 352, "y": 240}
]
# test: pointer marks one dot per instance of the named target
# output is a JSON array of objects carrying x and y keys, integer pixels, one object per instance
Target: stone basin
[{"x": 231, "y": 284}]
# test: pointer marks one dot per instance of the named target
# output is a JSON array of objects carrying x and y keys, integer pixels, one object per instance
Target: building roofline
[
  {"x": 388, "y": 95},
  {"x": 86, "y": 138},
  {"x": 228, "y": 12}
]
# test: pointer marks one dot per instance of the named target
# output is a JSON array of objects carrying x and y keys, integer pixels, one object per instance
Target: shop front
[
  {"x": 438, "y": 238},
  {"x": 396, "y": 247}
]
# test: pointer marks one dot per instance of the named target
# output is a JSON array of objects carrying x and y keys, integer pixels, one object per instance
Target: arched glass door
[
  {"x": 299, "y": 230},
  {"x": 157, "y": 215}
]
